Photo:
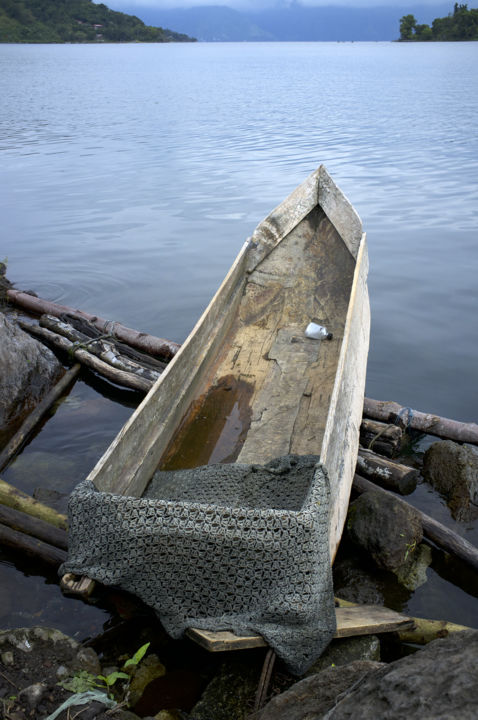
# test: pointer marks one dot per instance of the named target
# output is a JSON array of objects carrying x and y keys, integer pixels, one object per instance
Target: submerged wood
[
  {"x": 119, "y": 377},
  {"x": 150, "y": 344},
  {"x": 380, "y": 437},
  {"x": 14, "y": 498},
  {"x": 31, "y": 546},
  {"x": 34, "y": 527},
  {"x": 442, "y": 536},
  {"x": 100, "y": 347},
  {"x": 392, "y": 412},
  {"x": 387, "y": 473},
  {"x": 22, "y": 435}
]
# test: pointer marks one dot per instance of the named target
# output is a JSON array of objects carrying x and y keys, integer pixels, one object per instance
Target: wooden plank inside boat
[{"x": 351, "y": 621}]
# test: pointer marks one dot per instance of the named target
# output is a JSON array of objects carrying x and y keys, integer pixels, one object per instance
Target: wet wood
[
  {"x": 424, "y": 631},
  {"x": 126, "y": 379},
  {"x": 77, "y": 585},
  {"x": 18, "y": 500},
  {"x": 380, "y": 437},
  {"x": 34, "y": 527},
  {"x": 442, "y": 536},
  {"x": 22, "y": 435},
  {"x": 100, "y": 347},
  {"x": 351, "y": 621},
  {"x": 392, "y": 412},
  {"x": 31, "y": 546},
  {"x": 387, "y": 473},
  {"x": 159, "y": 347}
]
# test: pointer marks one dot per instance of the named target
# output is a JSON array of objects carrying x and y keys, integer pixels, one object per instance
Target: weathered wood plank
[{"x": 351, "y": 621}]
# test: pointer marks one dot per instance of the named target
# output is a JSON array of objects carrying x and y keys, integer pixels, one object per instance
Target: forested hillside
[
  {"x": 59, "y": 21},
  {"x": 461, "y": 25}
]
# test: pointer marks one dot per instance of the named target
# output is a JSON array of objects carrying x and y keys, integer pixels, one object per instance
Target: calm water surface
[{"x": 131, "y": 174}]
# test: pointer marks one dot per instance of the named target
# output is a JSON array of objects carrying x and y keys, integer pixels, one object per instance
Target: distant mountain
[
  {"x": 58, "y": 21},
  {"x": 294, "y": 22}
]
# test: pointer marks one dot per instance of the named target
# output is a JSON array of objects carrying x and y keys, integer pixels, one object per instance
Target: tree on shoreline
[{"x": 461, "y": 25}]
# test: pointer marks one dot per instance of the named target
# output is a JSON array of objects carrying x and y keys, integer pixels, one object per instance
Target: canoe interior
[
  {"x": 267, "y": 392},
  {"x": 247, "y": 385}
]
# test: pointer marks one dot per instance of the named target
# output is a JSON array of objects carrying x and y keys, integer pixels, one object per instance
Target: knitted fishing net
[{"x": 221, "y": 547}]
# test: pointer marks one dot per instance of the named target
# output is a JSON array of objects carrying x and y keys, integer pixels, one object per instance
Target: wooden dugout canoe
[{"x": 248, "y": 385}]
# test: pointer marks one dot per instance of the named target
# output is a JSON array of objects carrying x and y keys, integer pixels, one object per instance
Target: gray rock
[
  {"x": 28, "y": 371},
  {"x": 452, "y": 469},
  {"x": 33, "y": 694},
  {"x": 436, "y": 683},
  {"x": 310, "y": 698},
  {"x": 230, "y": 694},
  {"x": 390, "y": 531},
  {"x": 87, "y": 659},
  {"x": 347, "y": 650}
]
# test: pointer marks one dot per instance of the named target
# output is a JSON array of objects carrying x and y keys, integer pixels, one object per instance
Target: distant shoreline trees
[
  {"x": 461, "y": 25},
  {"x": 74, "y": 21}
]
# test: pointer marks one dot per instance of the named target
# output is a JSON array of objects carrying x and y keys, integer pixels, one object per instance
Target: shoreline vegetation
[
  {"x": 75, "y": 21},
  {"x": 460, "y": 25}
]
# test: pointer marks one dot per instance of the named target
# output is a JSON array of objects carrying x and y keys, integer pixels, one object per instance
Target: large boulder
[
  {"x": 452, "y": 469},
  {"x": 391, "y": 533},
  {"x": 436, "y": 683},
  {"x": 29, "y": 369}
]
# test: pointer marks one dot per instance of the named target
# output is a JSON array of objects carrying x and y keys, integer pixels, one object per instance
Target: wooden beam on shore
[
  {"x": 392, "y": 412},
  {"x": 120, "y": 377},
  {"x": 150, "y": 344},
  {"x": 22, "y": 435},
  {"x": 442, "y": 536},
  {"x": 381, "y": 437},
  {"x": 18, "y": 500}
]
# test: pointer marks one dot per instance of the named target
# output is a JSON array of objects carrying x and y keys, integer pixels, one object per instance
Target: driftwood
[
  {"x": 119, "y": 377},
  {"x": 34, "y": 527},
  {"x": 31, "y": 546},
  {"x": 87, "y": 329},
  {"x": 386, "y": 473},
  {"x": 422, "y": 631},
  {"x": 159, "y": 347},
  {"x": 442, "y": 536},
  {"x": 18, "y": 500},
  {"x": 380, "y": 437},
  {"x": 100, "y": 347},
  {"x": 392, "y": 412},
  {"x": 16, "y": 442}
]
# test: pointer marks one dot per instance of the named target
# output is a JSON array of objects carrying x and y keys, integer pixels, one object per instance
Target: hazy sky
[{"x": 257, "y": 4}]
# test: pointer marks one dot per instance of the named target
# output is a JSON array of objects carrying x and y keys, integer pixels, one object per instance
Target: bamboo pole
[
  {"x": 392, "y": 412},
  {"x": 119, "y": 377},
  {"x": 142, "y": 341},
  {"x": 20, "y": 437},
  {"x": 432, "y": 529},
  {"x": 18, "y": 500}
]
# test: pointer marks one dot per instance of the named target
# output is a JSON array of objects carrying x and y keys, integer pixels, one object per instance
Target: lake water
[{"x": 131, "y": 174}]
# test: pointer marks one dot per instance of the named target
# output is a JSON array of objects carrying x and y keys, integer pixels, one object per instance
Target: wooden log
[
  {"x": 392, "y": 412},
  {"x": 89, "y": 330},
  {"x": 20, "y": 437},
  {"x": 90, "y": 361},
  {"x": 105, "y": 350},
  {"x": 31, "y": 546},
  {"x": 34, "y": 527},
  {"x": 380, "y": 437},
  {"x": 150, "y": 344},
  {"x": 18, "y": 500},
  {"x": 442, "y": 536},
  {"x": 386, "y": 473}
]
